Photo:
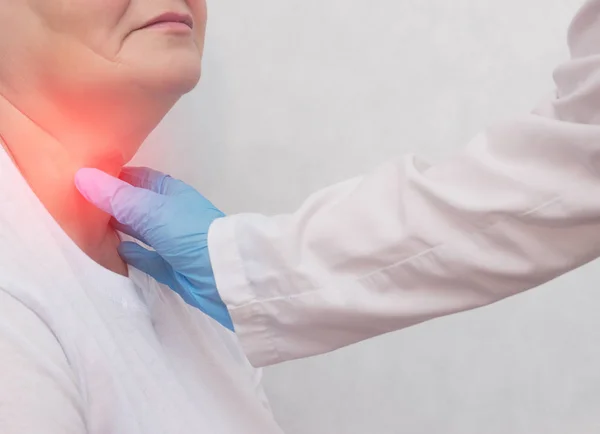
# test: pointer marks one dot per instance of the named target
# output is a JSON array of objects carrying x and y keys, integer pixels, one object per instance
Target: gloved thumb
[
  {"x": 130, "y": 206},
  {"x": 147, "y": 261}
]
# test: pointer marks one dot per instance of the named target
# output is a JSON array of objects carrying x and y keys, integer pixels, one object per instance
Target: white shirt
[
  {"x": 413, "y": 241},
  {"x": 85, "y": 350}
]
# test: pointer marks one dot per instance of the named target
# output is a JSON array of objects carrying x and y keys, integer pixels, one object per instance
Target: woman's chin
[
  {"x": 176, "y": 74},
  {"x": 178, "y": 79}
]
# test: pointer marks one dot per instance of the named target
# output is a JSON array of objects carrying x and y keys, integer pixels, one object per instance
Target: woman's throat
[{"x": 51, "y": 178}]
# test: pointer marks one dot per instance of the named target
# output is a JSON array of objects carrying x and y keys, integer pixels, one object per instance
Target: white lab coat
[{"x": 411, "y": 241}]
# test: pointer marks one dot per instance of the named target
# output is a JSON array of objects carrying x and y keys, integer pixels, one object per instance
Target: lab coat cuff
[
  {"x": 236, "y": 291},
  {"x": 226, "y": 262},
  {"x": 255, "y": 335}
]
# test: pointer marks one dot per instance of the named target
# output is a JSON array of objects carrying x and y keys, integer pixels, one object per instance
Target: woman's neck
[{"x": 49, "y": 166}]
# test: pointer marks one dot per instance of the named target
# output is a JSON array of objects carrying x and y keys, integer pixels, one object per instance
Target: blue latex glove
[{"x": 169, "y": 216}]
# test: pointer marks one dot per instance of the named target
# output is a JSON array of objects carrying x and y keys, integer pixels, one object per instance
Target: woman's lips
[
  {"x": 171, "y": 20},
  {"x": 175, "y": 25}
]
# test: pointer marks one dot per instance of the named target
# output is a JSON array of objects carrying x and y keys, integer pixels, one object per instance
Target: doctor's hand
[{"x": 169, "y": 216}]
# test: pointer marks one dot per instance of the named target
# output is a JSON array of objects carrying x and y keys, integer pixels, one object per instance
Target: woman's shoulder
[
  {"x": 35, "y": 374},
  {"x": 20, "y": 322}
]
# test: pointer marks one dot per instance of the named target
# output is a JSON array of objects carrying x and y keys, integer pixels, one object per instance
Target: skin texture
[{"x": 82, "y": 84}]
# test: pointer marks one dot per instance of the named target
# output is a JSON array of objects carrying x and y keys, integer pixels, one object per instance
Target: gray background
[{"x": 299, "y": 94}]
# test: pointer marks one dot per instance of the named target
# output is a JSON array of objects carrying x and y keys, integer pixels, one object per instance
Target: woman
[{"x": 87, "y": 345}]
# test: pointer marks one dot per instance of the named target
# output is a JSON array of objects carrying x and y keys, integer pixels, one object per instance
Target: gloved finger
[
  {"x": 154, "y": 265},
  {"x": 147, "y": 261},
  {"x": 204, "y": 298},
  {"x": 131, "y": 206},
  {"x": 127, "y": 230},
  {"x": 153, "y": 180}
]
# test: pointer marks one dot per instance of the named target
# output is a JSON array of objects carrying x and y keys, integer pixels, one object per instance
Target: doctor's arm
[
  {"x": 402, "y": 245},
  {"x": 411, "y": 242}
]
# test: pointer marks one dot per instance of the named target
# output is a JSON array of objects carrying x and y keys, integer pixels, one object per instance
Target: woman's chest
[{"x": 170, "y": 372}]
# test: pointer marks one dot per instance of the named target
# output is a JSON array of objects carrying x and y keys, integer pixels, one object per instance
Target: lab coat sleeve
[
  {"x": 38, "y": 390},
  {"x": 412, "y": 241}
]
